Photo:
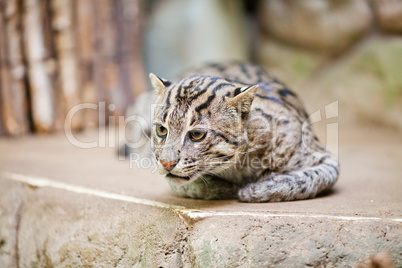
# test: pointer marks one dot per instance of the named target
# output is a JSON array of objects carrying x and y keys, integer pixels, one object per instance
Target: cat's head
[{"x": 198, "y": 125}]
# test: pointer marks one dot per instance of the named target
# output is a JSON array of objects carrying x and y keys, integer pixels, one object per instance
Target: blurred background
[{"x": 55, "y": 54}]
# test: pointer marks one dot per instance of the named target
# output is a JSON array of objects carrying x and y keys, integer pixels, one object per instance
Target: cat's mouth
[{"x": 175, "y": 177}]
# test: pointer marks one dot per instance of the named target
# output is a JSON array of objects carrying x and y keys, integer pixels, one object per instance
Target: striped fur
[{"x": 256, "y": 147}]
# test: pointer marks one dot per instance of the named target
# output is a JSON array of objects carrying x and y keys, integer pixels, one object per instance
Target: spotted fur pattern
[{"x": 257, "y": 144}]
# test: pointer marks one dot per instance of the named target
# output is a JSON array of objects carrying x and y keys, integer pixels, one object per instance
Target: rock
[
  {"x": 367, "y": 84},
  {"x": 275, "y": 242},
  {"x": 183, "y": 33},
  {"x": 12, "y": 196},
  {"x": 380, "y": 260},
  {"x": 389, "y": 15},
  {"x": 330, "y": 25},
  {"x": 59, "y": 230},
  {"x": 290, "y": 65}
]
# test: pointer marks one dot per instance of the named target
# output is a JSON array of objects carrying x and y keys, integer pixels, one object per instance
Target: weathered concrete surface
[
  {"x": 65, "y": 229},
  {"x": 285, "y": 241},
  {"x": 12, "y": 195},
  {"x": 65, "y": 206}
]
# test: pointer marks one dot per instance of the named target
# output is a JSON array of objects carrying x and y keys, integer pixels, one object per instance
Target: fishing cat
[{"x": 233, "y": 131}]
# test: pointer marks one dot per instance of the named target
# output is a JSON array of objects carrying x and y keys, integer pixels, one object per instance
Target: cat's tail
[{"x": 300, "y": 184}]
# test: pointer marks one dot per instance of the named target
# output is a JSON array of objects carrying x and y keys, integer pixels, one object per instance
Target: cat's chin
[{"x": 178, "y": 180}]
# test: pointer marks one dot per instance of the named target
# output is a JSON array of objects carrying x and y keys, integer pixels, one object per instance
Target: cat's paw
[
  {"x": 246, "y": 194},
  {"x": 255, "y": 193},
  {"x": 272, "y": 190}
]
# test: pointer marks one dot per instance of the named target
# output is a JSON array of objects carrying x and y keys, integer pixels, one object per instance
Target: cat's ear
[
  {"x": 159, "y": 84},
  {"x": 243, "y": 98}
]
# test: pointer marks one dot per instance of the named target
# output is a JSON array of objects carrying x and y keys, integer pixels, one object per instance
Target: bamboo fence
[{"x": 55, "y": 54}]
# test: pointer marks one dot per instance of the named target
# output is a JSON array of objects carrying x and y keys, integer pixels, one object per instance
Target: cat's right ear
[
  {"x": 159, "y": 84},
  {"x": 243, "y": 98}
]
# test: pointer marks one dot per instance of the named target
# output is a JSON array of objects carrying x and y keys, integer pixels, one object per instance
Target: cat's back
[
  {"x": 242, "y": 72},
  {"x": 271, "y": 95}
]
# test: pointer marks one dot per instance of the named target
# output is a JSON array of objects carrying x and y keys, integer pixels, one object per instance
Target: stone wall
[{"x": 348, "y": 51}]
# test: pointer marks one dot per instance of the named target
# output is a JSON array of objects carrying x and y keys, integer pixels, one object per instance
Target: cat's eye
[
  {"x": 197, "y": 135},
  {"x": 161, "y": 131}
]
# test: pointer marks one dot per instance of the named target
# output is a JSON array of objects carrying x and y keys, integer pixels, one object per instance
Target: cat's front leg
[
  {"x": 300, "y": 184},
  {"x": 210, "y": 187}
]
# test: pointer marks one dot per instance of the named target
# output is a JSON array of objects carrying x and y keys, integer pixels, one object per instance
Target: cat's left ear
[
  {"x": 243, "y": 98},
  {"x": 159, "y": 84}
]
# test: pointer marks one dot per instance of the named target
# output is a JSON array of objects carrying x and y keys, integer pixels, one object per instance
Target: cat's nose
[{"x": 168, "y": 166}]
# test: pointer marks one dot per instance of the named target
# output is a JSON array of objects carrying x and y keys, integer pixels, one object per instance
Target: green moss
[
  {"x": 383, "y": 61},
  {"x": 302, "y": 65},
  {"x": 353, "y": 36},
  {"x": 2, "y": 242},
  {"x": 148, "y": 240},
  {"x": 42, "y": 257},
  {"x": 218, "y": 254},
  {"x": 289, "y": 64}
]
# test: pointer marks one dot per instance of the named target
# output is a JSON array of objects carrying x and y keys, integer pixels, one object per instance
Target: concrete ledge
[
  {"x": 279, "y": 241},
  {"x": 12, "y": 198},
  {"x": 66, "y": 229},
  {"x": 67, "y": 225},
  {"x": 62, "y": 206}
]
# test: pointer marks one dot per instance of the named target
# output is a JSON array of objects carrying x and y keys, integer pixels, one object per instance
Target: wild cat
[{"x": 233, "y": 131}]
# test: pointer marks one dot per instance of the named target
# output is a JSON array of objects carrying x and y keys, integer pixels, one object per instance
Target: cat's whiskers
[
  {"x": 218, "y": 162},
  {"x": 210, "y": 173},
  {"x": 248, "y": 152},
  {"x": 146, "y": 135},
  {"x": 153, "y": 154},
  {"x": 217, "y": 171},
  {"x": 215, "y": 164},
  {"x": 224, "y": 156},
  {"x": 204, "y": 180}
]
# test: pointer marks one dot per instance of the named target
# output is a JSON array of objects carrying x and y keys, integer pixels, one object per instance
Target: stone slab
[
  {"x": 370, "y": 181},
  {"x": 63, "y": 229},
  {"x": 66, "y": 206}
]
